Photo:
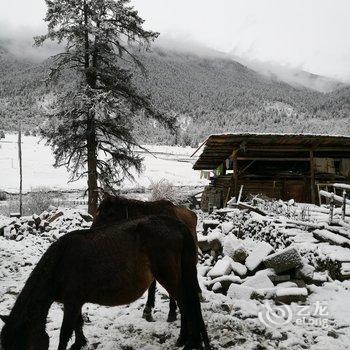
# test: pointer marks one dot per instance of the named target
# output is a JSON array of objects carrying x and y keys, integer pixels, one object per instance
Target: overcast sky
[{"x": 310, "y": 34}]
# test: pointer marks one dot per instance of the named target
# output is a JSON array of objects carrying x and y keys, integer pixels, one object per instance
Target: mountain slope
[
  {"x": 220, "y": 95},
  {"x": 207, "y": 94}
]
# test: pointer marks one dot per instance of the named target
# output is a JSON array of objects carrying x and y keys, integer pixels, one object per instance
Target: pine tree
[{"x": 90, "y": 128}]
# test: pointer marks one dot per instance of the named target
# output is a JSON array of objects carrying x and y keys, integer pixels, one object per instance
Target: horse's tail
[{"x": 190, "y": 286}]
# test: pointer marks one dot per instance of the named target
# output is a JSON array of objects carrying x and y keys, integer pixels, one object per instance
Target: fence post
[
  {"x": 344, "y": 205},
  {"x": 20, "y": 167},
  {"x": 331, "y": 208}
]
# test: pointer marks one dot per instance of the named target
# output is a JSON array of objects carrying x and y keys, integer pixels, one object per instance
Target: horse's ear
[{"x": 4, "y": 318}]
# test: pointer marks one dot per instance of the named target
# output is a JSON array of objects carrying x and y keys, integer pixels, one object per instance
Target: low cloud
[
  {"x": 20, "y": 43},
  {"x": 295, "y": 76}
]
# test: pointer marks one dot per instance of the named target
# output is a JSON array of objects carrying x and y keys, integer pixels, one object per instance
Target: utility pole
[{"x": 20, "y": 166}]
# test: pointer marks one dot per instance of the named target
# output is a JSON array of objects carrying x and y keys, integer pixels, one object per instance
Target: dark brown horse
[
  {"x": 114, "y": 209},
  {"x": 109, "y": 266}
]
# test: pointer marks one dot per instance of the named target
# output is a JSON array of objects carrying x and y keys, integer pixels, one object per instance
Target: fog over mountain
[
  {"x": 207, "y": 90},
  {"x": 19, "y": 42}
]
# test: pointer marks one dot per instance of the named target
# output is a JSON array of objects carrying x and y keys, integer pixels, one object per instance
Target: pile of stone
[
  {"x": 324, "y": 246},
  {"x": 245, "y": 255},
  {"x": 53, "y": 223},
  {"x": 260, "y": 273}
]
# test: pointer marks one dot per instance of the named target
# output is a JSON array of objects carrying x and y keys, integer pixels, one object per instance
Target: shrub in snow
[
  {"x": 164, "y": 189},
  {"x": 38, "y": 200}
]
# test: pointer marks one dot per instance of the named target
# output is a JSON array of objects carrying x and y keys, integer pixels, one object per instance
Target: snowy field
[{"x": 171, "y": 163}]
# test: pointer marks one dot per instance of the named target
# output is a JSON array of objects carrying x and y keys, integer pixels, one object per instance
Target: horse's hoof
[
  {"x": 171, "y": 318},
  {"x": 78, "y": 346},
  {"x": 148, "y": 316},
  {"x": 189, "y": 346},
  {"x": 180, "y": 342},
  {"x": 201, "y": 298}
]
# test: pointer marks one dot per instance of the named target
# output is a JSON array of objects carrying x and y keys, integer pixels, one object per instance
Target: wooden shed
[{"x": 281, "y": 166}]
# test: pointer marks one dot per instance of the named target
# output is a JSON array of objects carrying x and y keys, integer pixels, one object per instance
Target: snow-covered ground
[
  {"x": 171, "y": 163},
  {"x": 233, "y": 323}
]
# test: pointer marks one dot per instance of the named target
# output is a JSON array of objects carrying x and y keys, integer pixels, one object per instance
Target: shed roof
[{"x": 217, "y": 148}]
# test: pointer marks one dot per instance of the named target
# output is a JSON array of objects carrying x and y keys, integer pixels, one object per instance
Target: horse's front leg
[
  {"x": 80, "y": 340},
  {"x": 172, "y": 310},
  {"x": 70, "y": 318},
  {"x": 147, "y": 312}
]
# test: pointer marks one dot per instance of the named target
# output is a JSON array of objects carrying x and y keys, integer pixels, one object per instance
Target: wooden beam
[
  {"x": 312, "y": 177},
  {"x": 199, "y": 148},
  {"x": 343, "y": 186},
  {"x": 335, "y": 197},
  {"x": 275, "y": 159},
  {"x": 235, "y": 173}
]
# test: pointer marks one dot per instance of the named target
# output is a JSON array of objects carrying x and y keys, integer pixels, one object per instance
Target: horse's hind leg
[
  {"x": 70, "y": 318},
  {"x": 147, "y": 312},
  {"x": 172, "y": 310},
  {"x": 181, "y": 341},
  {"x": 80, "y": 339}
]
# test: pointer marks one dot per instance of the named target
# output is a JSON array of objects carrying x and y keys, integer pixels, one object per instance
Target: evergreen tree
[{"x": 90, "y": 126}]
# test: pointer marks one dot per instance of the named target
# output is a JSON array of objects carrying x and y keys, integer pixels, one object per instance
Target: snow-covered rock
[
  {"x": 256, "y": 257},
  {"x": 305, "y": 272},
  {"x": 234, "y": 248},
  {"x": 288, "y": 295},
  {"x": 239, "y": 269},
  {"x": 284, "y": 260},
  {"x": 217, "y": 287},
  {"x": 345, "y": 270},
  {"x": 210, "y": 224},
  {"x": 222, "y": 267},
  {"x": 226, "y": 227},
  {"x": 287, "y": 284},
  {"x": 239, "y": 292},
  {"x": 258, "y": 282}
]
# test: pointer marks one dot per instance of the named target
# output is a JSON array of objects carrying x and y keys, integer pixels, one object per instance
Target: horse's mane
[{"x": 117, "y": 208}]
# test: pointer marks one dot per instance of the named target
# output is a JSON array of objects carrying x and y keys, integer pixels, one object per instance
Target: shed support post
[
  {"x": 235, "y": 174},
  {"x": 312, "y": 178}
]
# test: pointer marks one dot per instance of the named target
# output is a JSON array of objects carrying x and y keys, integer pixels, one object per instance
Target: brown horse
[
  {"x": 115, "y": 209},
  {"x": 109, "y": 266}
]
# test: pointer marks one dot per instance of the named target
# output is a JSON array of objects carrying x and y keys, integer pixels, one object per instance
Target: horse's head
[{"x": 19, "y": 338}]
